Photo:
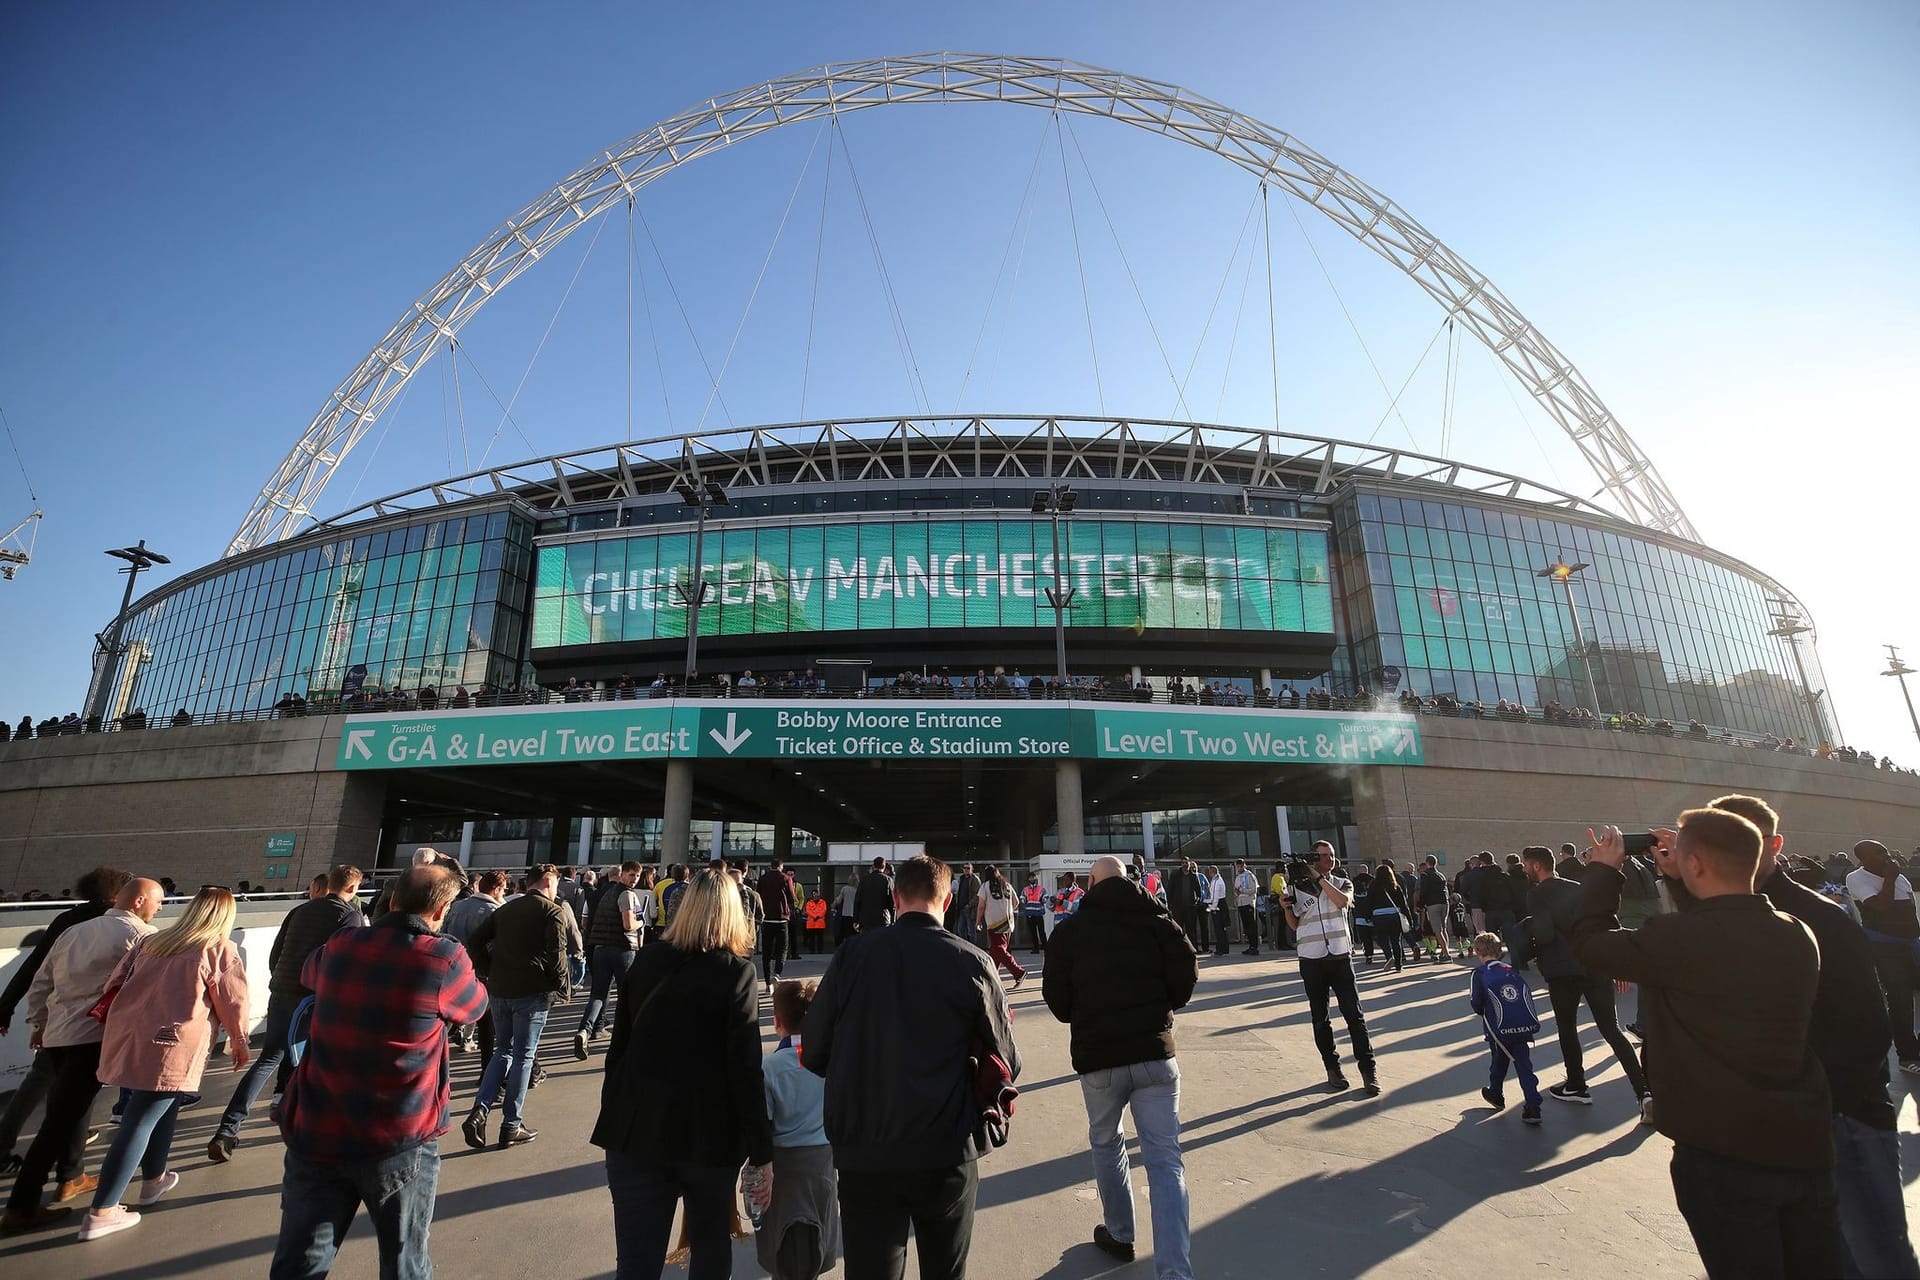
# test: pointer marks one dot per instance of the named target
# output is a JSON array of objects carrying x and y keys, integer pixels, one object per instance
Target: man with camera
[{"x": 1316, "y": 907}]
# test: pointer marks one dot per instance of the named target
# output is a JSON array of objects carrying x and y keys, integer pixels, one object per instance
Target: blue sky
[{"x": 212, "y": 212}]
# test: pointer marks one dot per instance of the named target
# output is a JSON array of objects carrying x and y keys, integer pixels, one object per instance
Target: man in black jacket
[
  {"x": 1553, "y": 904},
  {"x": 304, "y": 931},
  {"x": 873, "y": 900},
  {"x": 895, "y": 1027},
  {"x": 1116, "y": 970},
  {"x": 1183, "y": 900},
  {"x": 1727, "y": 992}
]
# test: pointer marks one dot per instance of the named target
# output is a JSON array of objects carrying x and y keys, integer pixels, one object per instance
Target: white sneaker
[
  {"x": 1646, "y": 1108},
  {"x": 104, "y": 1222},
  {"x": 152, "y": 1189}
]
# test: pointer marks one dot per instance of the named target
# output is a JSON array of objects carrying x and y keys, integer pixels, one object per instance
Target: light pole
[
  {"x": 702, "y": 494},
  {"x": 1900, "y": 671},
  {"x": 1562, "y": 572},
  {"x": 138, "y": 557},
  {"x": 1053, "y": 502},
  {"x": 1788, "y": 626}
]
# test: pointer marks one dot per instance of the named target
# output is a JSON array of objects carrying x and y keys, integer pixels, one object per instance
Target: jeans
[
  {"x": 144, "y": 1137},
  {"x": 1333, "y": 975},
  {"x": 877, "y": 1208},
  {"x": 517, "y": 1024},
  {"x": 998, "y": 941},
  {"x": 75, "y": 1069},
  {"x": 644, "y": 1192},
  {"x": 273, "y": 1051},
  {"x": 1517, "y": 1052},
  {"x": 609, "y": 965},
  {"x": 1151, "y": 1090},
  {"x": 318, "y": 1201},
  {"x": 1873, "y": 1212},
  {"x": 773, "y": 950},
  {"x": 1249, "y": 930},
  {"x": 33, "y": 1090},
  {"x": 1893, "y": 961},
  {"x": 1754, "y": 1223},
  {"x": 1566, "y": 994}
]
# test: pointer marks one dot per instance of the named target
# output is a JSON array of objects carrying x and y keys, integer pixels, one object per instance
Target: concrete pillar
[
  {"x": 1135, "y": 669},
  {"x": 1285, "y": 827},
  {"x": 1270, "y": 847},
  {"x": 1068, "y": 811},
  {"x": 1033, "y": 831},
  {"x": 583, "y": 850},
  {"x": 557, "y": 840},
  {"x": 717, "y": 840},
  {"x": 1146, "y": 836},
  {"x": 676, "y": 811},
  {"x": 466, "y": 844},
  {"x": 1266, "y": 678}
]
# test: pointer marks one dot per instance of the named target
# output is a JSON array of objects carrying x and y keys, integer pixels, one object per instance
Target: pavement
[{"x": 1284, "y": 1177}]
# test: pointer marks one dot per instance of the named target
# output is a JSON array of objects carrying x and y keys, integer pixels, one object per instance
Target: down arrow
[{"x": 731, "y": 740}]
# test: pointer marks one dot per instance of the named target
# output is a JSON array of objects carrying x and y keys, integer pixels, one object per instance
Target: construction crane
[{"x": 16, "y": 546}]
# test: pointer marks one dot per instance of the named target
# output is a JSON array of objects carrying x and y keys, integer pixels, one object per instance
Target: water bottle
[{"x": 750, "y": 1188}]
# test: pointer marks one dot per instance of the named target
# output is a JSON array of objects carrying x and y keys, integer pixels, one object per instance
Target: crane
[{"x": 16, "y": 545}]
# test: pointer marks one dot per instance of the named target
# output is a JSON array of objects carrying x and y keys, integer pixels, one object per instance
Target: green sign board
[
  {"x": 282, "y": 845},
  {"x": 871, "y": 729}
]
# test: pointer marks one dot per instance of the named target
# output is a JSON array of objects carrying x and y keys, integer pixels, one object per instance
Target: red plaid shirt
[{"x": 374, "y": 1080}]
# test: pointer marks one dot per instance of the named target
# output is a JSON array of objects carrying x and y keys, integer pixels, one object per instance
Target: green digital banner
[
  {"x": 871, "y": 729},
  {"x": 931, "y": 573}
]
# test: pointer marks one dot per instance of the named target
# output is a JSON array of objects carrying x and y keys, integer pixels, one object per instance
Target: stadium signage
[{"x": 870, "y": 730}]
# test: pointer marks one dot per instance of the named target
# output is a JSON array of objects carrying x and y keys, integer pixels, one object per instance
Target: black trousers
[
  {"x": 1333, "y": 976},
  {"x": 1894, "y": 963},
  {"x": 1754, "y": 1223},
  {"x": 876, "y": 1210},
  {"x": 1036, "y": 934},
  {"x": 1566, "y": 994},
  {"x": 1249, "y": 931},
  {"x": 1203, "y": 918},
  {"x": 1222, "y": 928},
  {"x": 76, "y": 1080},
  {"x": 33, "y": 1090},
  {"x": 773, "y": 948}
]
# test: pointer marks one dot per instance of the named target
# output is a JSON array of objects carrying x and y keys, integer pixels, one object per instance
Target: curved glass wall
[
  {"x": 1446, "y": 595},
  {"x": 436, "y": 604}
]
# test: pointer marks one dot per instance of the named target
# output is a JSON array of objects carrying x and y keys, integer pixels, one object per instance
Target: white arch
[{"x": 285, "y": 505}]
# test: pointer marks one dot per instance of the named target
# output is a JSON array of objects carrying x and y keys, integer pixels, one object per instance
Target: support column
[
  {"x": 466, "y": 844},
  {"x": 782, "y": 831},
  {"x": 1069, "y": 815},
  {"x": 583, "y": 850},
  {"x": 1271, "y": 849},
  {"x": 717, "y": 839},
  {"x": 676, "y": 812},
  {"x": 557, "y": 840},
  {"x": 1135, "y": 669},
  {"x": 1146, "y": 836},
  {"x": 1285, "y": 826},
  {"x": 1266, "y": 678}
]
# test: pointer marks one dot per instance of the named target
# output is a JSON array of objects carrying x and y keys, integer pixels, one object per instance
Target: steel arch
[{"x": 285, "y": 504}]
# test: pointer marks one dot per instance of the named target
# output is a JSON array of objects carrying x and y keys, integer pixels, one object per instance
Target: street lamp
[
  {"x": 1054, "y": 502},
  {"x": 1562, "y": 572},
  {"x": 138, "y": 557},
  {"x": 704, "y": 495},
  {"x": 1900, "y": 671},
  {"x": 1788, "y": 626}
]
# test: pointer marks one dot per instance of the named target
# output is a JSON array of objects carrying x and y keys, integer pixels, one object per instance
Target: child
[
  {"x": 1505, "y": 1004},
  {"x": 799, "y": 1236}
]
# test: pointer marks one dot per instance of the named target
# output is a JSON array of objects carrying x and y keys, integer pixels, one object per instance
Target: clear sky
[{"x": 210, "y": 213}]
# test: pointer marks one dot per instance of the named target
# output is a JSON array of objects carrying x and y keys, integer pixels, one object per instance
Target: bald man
[{"x": 1116, "y": 970}]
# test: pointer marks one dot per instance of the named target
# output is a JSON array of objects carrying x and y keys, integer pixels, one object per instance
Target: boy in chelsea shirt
[{"x": 1504, "y": 1003}]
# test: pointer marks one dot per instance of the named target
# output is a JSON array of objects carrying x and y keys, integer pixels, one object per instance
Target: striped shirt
[{"x": 1322, "y": 929}]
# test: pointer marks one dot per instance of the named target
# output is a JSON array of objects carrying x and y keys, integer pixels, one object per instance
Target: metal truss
[
  {"x": 1001, "y": 448},
  {"x": 285, "y": 505},
  {"x": 16, "y": 546}
]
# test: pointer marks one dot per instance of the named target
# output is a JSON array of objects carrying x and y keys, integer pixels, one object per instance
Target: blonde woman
[
  {"x": 175, "y": 987},
  {"x": 687, "y": 1026}
]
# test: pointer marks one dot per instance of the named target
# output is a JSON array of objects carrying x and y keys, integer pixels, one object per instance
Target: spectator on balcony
[{"x": 182, "y": 717}]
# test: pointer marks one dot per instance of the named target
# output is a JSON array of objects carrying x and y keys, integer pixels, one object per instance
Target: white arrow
[
  {"x": 735, "y": 735},
  {"x": 357, "y": 740}
]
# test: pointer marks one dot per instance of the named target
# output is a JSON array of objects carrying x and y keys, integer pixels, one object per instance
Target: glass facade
[
  {"x": 778, "y": 577},
  {"x": 1446, "y": 594},
  {"x": 437, "y": 603}
]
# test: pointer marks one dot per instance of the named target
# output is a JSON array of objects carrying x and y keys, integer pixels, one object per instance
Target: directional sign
[{"x": 870, "y": 729}]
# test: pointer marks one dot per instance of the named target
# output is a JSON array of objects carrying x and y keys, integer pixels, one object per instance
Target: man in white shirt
[
  {"x": 67, "y": 986},
  {"x": 1884, "y": 898},
  {"x": 1222, "y": 908},
  {"x": 1316, "y": 908},
  {"x": 1246, "y": 895}
]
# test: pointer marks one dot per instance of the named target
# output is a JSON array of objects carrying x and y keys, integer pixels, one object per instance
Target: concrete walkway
[{"x": 1285, "y": 1179}]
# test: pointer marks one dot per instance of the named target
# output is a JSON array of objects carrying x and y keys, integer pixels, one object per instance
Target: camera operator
[{"x": 1316, "y": 905}]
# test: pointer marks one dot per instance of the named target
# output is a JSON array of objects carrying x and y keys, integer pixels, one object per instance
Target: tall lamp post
[
  {"x": 1788, "y": 626},
  {"x": 138, "y": 557},
  {"x": 1562, "y": 572},
  {"x": 1054, "y": 502},
  {"x": 704, "y": 495},
  {"x": 1900, "y": 671}
]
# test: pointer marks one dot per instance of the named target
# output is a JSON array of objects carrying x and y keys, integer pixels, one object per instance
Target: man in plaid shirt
[{"x": 364, "y": 1111}]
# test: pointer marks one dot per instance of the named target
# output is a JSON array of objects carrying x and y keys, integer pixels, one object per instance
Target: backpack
[{"x": 1509, "y": 1002}]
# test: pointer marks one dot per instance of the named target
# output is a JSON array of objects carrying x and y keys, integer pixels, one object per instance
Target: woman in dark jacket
[
  {"x": 687, "y": 1028},
  {"x": 1387, "y": 907}
]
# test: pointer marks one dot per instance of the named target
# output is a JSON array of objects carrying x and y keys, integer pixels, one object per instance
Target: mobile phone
[{"x": 1638, "y": 841}]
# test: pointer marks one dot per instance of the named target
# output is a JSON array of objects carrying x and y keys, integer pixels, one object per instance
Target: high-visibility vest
[
  {"x": 1036, "y": 900},
  {"x": 816, "y": 913}
]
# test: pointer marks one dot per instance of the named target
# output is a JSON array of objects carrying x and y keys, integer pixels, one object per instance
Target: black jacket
[
  {"x": 873, "y": 901},
  {"x": 1726, "y": 997},
  {"x": 1552, "y": 907},
  {"x": 686, "y": 1030},
  {"x": 306, "y": 927},
  {"x": 23, "y": 978},
  {"x": 522, "y": 949},
  {"x": 892, "y": 1027},
  {"x": 1183, "y": 890},
  {"x": 1116, "y": 970},
  {"x": 1491, "y": 889}
]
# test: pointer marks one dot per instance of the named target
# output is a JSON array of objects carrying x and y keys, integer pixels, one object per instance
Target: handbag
[{"x": 112, "y": 992}]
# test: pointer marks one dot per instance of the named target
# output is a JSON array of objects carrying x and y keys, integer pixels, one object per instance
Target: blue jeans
[
  {"x": 644, "y": 1193},
  {"x": 144, "y": 1137},
  {"x": 609, "y": 965},
  {"x": 1517, "y": 1052},
  {"x": 273, "y": 1051},
  {"x": 1152, "y": 1091},
  {"x": 318, "y": 1201},
  {"x": 516, "y": 1027},
  {"x": 1873, "y": 1211}
]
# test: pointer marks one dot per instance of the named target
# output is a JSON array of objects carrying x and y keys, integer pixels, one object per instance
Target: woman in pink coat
[{"x": 176, "y": 985}]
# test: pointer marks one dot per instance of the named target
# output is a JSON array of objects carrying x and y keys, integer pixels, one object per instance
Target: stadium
[{"x": 1543, "y": 655}]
